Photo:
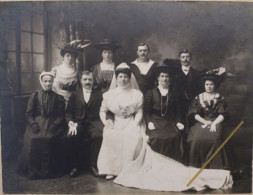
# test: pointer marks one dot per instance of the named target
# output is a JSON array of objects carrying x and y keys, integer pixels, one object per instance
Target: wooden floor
[{"x": 85, "y": 183}]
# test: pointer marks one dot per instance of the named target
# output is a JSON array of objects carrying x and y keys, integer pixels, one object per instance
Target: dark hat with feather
[
  {"x": 218, "y": 76},
  {"x": 74, "y": 46},
  {"x": 107, "y": 44},
  {"x": 168, "y": 66},
  {"x": 163, "y": 68}
]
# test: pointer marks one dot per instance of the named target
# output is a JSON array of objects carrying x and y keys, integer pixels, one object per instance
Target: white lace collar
[{"x": 163, "y": 91}]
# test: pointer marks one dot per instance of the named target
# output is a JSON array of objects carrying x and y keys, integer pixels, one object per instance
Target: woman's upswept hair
[
  {"x": 124, "y": 71},
  {"x": 212, "y": 78},
  {"x": 105, "y": 48}
]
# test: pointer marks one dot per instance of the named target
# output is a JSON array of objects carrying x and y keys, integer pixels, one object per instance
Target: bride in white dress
[
  {"x": 122, "y": 136},
  {"x": 150, "y": 170}
]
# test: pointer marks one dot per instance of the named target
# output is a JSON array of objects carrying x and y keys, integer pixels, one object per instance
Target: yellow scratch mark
[{"x": 215, "y": 153}]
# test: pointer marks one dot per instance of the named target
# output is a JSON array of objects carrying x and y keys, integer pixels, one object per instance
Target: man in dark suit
[
  {"x": 187, "y": 82},
  {"x": 82, "y": 115}
]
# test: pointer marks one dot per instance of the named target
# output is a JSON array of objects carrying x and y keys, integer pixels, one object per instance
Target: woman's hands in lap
[
  {"x": 109, "y": 124},
  {"x": 180, "y": 126},
  {"x": 151, "y": 126},
  {"x": 213, "y": 128}
]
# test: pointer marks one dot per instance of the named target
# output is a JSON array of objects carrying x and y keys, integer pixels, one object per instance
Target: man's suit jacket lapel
[
  {"x": 81, "y": 97},
  {"x": 190, "y": 74},
  {"x": 194, "y": 73},
  {"x": 92, "y": 97},
  {"x": 183, "y": 79}
]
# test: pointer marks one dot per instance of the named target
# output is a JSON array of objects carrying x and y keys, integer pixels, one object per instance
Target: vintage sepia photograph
[{"x": 126, "y": 97}]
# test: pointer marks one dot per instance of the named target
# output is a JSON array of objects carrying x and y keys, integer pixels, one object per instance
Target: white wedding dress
[
  {"x": 153, "y": 171},
  {"x": 123, "y": 143}
]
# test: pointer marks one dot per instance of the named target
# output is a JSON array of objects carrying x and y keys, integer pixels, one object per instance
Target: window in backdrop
[{"x": 26, "y": 48}]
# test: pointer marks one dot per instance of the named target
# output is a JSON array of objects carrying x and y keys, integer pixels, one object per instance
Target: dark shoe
[
  {"x": 94, "y": 171},
  {"x": 73, "y": 173}
]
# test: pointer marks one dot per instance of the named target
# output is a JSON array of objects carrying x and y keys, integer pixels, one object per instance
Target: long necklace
[{"x": 167, "y": 98}]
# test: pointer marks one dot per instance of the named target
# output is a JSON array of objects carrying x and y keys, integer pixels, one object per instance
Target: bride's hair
[{"x": 126, "y": 71}]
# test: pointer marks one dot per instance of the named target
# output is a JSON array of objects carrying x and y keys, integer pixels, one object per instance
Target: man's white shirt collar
[
  {"x": 143, "y": 66},
  {"x": 163, "y": 91},
  {"x": 86, "y": 94},
  {"x": 186, "y": 69}
]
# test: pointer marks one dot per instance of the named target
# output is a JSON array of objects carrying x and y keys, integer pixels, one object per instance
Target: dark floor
[{"x": 85, "y": 183}]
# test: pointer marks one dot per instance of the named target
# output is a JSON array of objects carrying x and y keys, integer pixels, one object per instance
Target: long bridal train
[{"x": 153, "y": 171}]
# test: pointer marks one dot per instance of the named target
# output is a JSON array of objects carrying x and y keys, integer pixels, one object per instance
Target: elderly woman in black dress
[
  {"x": 207, "y": 111},
  {"x": 40, "y": 156},
  {"x": 162, "y": 116}
]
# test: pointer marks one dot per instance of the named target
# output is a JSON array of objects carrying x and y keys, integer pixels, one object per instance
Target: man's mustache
[{"x": 88, "y": 84}]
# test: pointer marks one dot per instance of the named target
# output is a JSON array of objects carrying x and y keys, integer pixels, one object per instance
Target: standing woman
[
  {"x": 208, "y": 110},
  {"x": 41, "y": 153},
  {"x": 162, "y": 116},
  {"x": 103, "y": 72},
  {"x": 66, "y": 74}
]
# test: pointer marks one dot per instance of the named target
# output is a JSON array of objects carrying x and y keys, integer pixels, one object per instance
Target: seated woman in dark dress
[
  {"x": 42, "y": 152},
  {"x": 162, "y": 116},
  {"x": 208, "y": 110}
]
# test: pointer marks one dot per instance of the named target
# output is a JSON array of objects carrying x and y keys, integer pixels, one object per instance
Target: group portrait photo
[{"x": 106, "y": 97}]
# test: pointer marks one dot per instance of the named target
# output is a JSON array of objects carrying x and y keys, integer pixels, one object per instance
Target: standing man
[
  {"x": 85, "y": 126},
  {"x": 143, "y": 68},
  {"x": 187, "y": 82},
  {"x": 187, "y": 87}
]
